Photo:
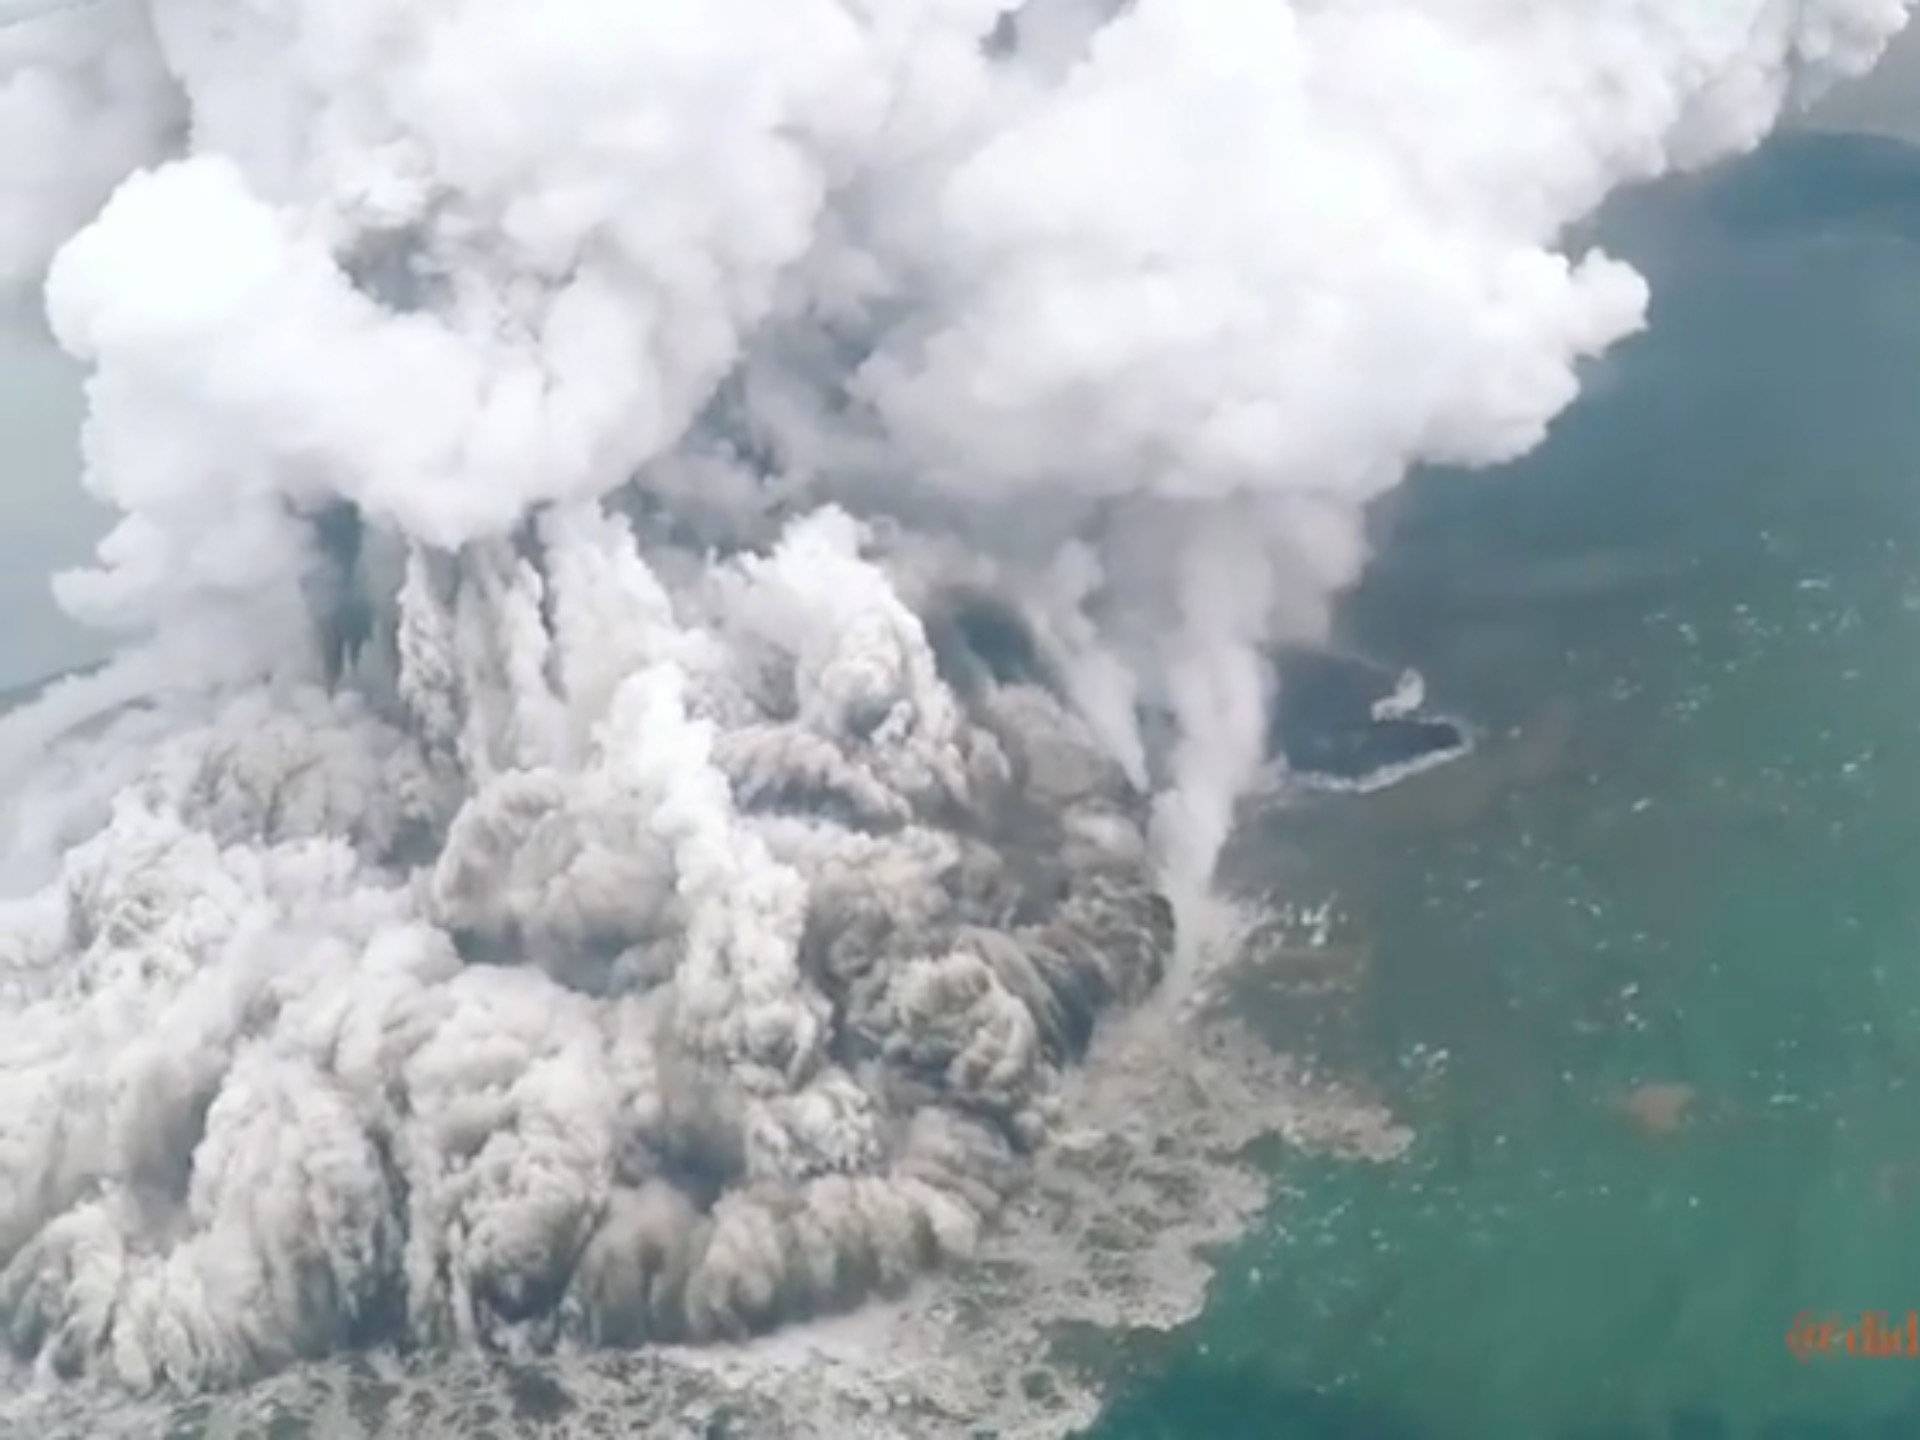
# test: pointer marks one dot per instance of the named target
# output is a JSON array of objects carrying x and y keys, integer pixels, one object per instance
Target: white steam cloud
[{"x": 691, "y": 576}]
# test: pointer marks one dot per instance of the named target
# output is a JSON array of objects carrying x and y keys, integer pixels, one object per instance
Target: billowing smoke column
[
  {"x": 644, "y": 967},
  {"x": 692, "y": 574}
]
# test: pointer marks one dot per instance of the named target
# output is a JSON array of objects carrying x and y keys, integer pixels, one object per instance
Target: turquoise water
[{"x": 1683, "y": 857}]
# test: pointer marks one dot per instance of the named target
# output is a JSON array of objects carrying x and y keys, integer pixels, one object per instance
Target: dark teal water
[{"x": 1684, "y": 856}]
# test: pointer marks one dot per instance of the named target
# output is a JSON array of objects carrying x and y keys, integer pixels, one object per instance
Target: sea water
[{"x": 1643, "y": 970}]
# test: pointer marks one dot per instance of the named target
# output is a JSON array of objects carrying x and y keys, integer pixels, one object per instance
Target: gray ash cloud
[{"x": 652, "y": 983}]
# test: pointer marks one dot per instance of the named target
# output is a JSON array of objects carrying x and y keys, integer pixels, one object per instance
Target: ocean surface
[{"x": 1643, "y": 971}]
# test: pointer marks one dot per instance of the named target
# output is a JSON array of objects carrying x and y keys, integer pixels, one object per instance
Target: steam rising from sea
[{"x": 698, "y": 590}]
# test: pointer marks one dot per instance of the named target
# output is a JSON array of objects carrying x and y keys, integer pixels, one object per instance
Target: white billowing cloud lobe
[{"x": 691, "y": 575}]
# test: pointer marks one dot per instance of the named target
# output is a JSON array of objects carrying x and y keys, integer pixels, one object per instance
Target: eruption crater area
[{"x": 600, "y": 962}]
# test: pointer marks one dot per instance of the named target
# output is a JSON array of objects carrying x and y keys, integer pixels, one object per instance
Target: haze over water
[{"x": 46, "y": 523}]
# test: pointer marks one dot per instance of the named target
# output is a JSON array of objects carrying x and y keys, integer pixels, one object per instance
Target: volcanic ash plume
[
  {"x": 645, "y": 966},
  {"x": 691, "y": 580}
]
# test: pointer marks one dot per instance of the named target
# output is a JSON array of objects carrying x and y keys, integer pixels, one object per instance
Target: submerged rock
[{"x": 1660, "y": 1108}]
